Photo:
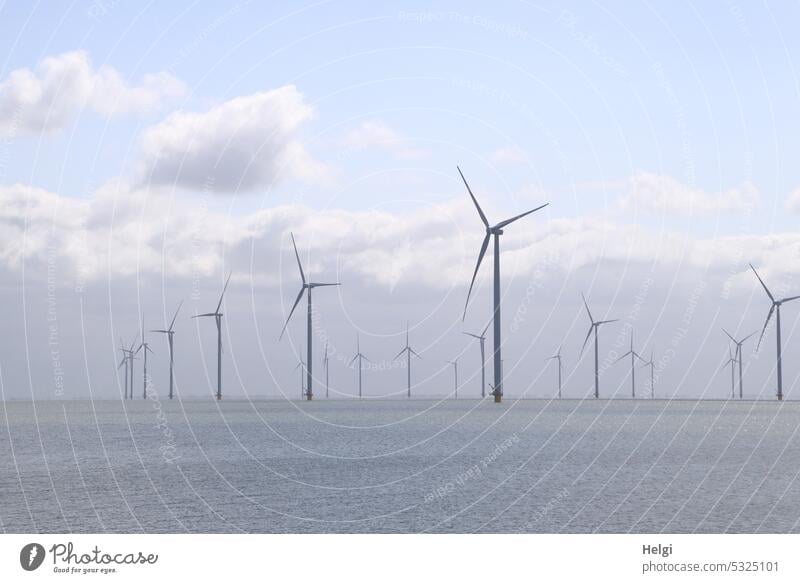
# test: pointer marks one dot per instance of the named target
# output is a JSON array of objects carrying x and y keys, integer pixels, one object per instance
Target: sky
[{"x": 147, "y": 150}]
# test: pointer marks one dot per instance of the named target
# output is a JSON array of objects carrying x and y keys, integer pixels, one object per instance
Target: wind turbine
[
  {"x": 170, "y": 333},
  {"x": 131, "y": 358},
  {"x": 306, "y": 285},
  {"x": 493, "y": 232},
  {"x": 593, "y": 327},
  {"x": 776, "y": 306},
  {"x": 482, "y": 340},
  {"x": 408, "y": 351},
  {"x": 738, "y": 355},
  {"x": 455, "y": 372},
  {"x": 218, "y": 319},
  {"x": 360, "y": 358},
  {"x": 651, "y": 363},
  {"x": 144, "y": 346},
  {"x": 732, "y": 361},
  {"x": 557, "y": 356},
  {"x": 325, "y": 364},
  {"x": 124, "y": 362},
  {"x": 634, "y": 355},
  {"x": 302, "y": 366}
]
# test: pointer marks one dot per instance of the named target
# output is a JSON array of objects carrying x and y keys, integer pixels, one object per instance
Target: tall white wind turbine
[
  {"x": 776, "y": 307},
  {"x": 493, "y": 232},
  {"x": 482, "y": 341},
  {"x": 738, "y": 356},
  {"x": 634, "y": 355},
  {"x": 408, "y": 351},
  {"x": 360, "y": 357},
  {"x": 217, "y": 315},
  {"x": 557, "y": 358},
  {"x": 593, "y": 328},
  {"x": 305, "y": 286},
  {"x": 170, "y": 333}
]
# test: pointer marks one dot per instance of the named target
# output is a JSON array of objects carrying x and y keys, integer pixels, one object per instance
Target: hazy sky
[{"x": 148, "y": 149}]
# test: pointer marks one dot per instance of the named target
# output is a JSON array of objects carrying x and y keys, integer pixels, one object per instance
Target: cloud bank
[{"x": 49, "y": 98}]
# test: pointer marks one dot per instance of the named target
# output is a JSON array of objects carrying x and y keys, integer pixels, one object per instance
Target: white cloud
[
  {"x": 793, "y": 202},
  {"x": 122, "y": 231},
  {"x": 510, "y": 155},
  {"x": 665, "y": 195},
  {"x": 376, "y": 134},
  {"x": 246, "y": 143},
  {"x": 50, "y": 97}
]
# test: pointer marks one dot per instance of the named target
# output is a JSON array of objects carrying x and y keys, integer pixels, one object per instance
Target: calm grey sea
[{"x": 399, "y": 466}]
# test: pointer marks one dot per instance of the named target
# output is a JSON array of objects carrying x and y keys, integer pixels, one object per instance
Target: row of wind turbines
[{"x": 492, "y": 234}]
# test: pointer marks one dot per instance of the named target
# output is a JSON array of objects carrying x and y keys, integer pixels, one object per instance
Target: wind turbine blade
[
  {"x": 353, "y": 360},
  {"x": 325, "y": 284},
  {"x": 171, "y": 324},
  {"x": 589, "y": 333},
  {"x": 502, "y": 224},
  {"x": 748, "y": 337},
  {"x": 607, "y": 321},
  {"x": 297, "y": 301},
  {"x": 764, "y": 285},
  {"x": 588, "y": 311},
  {"x": 764, "y": 329},
  {"x": 729, "y": 336},
  {"x": 161, "y": 331},
  {"x": 414, "y": 352},
  {"x": 222, "y": 295},
  {"x": 297, "y": 255},
  {"x": 138, "y": 349},
  {"x": 473, "y": 335},
  {"x": 399, "y": 354},
  {"x": 134, "y": 341},
  {"x": 623, "y": 356},
  {"x": 484, "y": 245},
  {"x": 203, "y": 315},
  {"x": 790, "y": 299},
  {"x": 485, "y": 329},
  {"x": 477, "y": 206},
  {"x": 121, "y": 362}
]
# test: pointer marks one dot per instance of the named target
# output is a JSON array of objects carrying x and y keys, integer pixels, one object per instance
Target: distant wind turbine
[
  {"x": 776, "y": 306},
  {"x": 124, "y": 362},
  {"x": 145, "y": 348},
  {"x": 593, "y": 328},
  {"x": 634, "y": 355},
  {"x": 455, "y": 373},
  {"x": 493, "y": 232},
  {"x": 306, "y": 285},
  {"x": 170, "y": 333},
  {"x": 325, "y": 364},
  {"x": 408, "y": 352},
  {"x": 739, "y": 355},
  {"x": 482, "y": 340},
  {"x": 557, "y": 357},
  {"x": 651, "y": 363},
  {"x": 302, "y": 366},
  {"x": 732, "y": 361},
  {"x": 218, "y": 319},
  {"x": 360, "y": 357}
]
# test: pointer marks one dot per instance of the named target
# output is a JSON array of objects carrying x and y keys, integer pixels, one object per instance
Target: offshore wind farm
[{"x": 351, "y": 268}]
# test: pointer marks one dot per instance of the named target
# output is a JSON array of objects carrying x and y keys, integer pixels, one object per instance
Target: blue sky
[{"x": 663, "y": 135}]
